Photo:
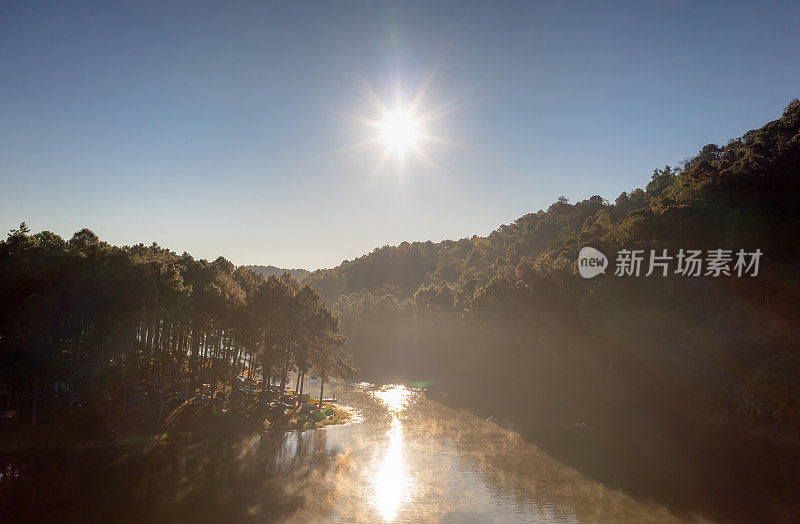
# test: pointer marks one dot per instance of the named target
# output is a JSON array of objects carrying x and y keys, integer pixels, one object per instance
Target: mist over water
[{"x": 404, "y": 458}]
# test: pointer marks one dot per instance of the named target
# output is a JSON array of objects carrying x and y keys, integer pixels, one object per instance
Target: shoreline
[
  {"x": 49, "y": 438},
  {"x": 341, "y": 415}
]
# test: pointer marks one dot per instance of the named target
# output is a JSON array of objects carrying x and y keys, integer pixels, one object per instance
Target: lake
[{"x": 403, "y": 458}]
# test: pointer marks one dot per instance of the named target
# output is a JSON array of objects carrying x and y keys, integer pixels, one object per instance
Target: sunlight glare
[
  {"x": 404, "y": 129},
  {"x": 392, "y": 484},
  {"x": 400, "y": 131},
  {"x": 394, "y": 397}
]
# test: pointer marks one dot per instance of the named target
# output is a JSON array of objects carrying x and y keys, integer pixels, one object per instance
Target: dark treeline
[
  {"x": 93, "y": 318},
  {"x": 504, "y": 325}
]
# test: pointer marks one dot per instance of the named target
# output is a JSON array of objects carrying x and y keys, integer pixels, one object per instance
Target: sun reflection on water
[
  {"x": 394, "y": 397},
  {"x": 392, "y": 483}
]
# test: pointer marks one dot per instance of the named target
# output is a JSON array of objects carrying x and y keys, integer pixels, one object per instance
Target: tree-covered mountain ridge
[
  {"x": 753, "y": 177},
  {"x": 490, "y": 318}
]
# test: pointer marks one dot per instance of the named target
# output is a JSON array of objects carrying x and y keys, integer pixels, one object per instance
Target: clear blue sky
[{"x": 218, "y": 128}]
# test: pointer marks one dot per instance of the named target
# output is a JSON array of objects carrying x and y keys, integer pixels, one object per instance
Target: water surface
[{"x": 404, "y": 458}]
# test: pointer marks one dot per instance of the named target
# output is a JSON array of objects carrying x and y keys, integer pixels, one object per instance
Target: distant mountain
[
  {"x": 268, "y": 271},
  {"x": 728, "y": 191}
]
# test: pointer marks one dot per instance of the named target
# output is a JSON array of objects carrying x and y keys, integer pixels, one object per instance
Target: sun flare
[
  {"x": 400, "y": 131},
  {"x": 405, "y": 129}
]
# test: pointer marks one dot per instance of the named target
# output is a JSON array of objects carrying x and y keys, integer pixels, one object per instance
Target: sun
[
  {"x": 400, "y": 131},
  {"x": 403, "y": 129}
]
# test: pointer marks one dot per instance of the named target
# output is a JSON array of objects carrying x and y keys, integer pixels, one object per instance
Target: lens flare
[{"x": 402, "y": 128}]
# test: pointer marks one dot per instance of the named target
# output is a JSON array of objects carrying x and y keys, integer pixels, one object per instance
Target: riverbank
[
  {"x": 301, "y": 422},
  {"x": 87, "y": 429}
]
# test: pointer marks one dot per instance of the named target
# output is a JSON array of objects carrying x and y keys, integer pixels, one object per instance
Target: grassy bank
[{"x": 297, "y": 421}]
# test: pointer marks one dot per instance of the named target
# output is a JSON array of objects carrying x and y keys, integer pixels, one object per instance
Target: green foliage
[{"x": 96, "y": 315}]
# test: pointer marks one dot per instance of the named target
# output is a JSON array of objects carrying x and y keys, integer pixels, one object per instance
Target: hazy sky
[{"x": 222, "y": 128}]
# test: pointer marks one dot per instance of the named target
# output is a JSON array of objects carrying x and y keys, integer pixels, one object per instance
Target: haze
[{"x": 223, "y": 129}]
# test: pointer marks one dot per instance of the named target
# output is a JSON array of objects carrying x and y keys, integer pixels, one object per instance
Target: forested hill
[
  {"x": 490, "y": 318},
  {"x": 272, "y": 271},
  {"x": 750, "y": 178}
]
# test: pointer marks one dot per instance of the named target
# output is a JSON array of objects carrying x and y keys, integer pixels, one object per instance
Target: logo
[
  {"x": 591, "y": 262},
  {"x": 686, "y": 263}
]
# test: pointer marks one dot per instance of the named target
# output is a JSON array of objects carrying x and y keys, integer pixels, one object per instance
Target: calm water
[{"x": 403, "y": 459}]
